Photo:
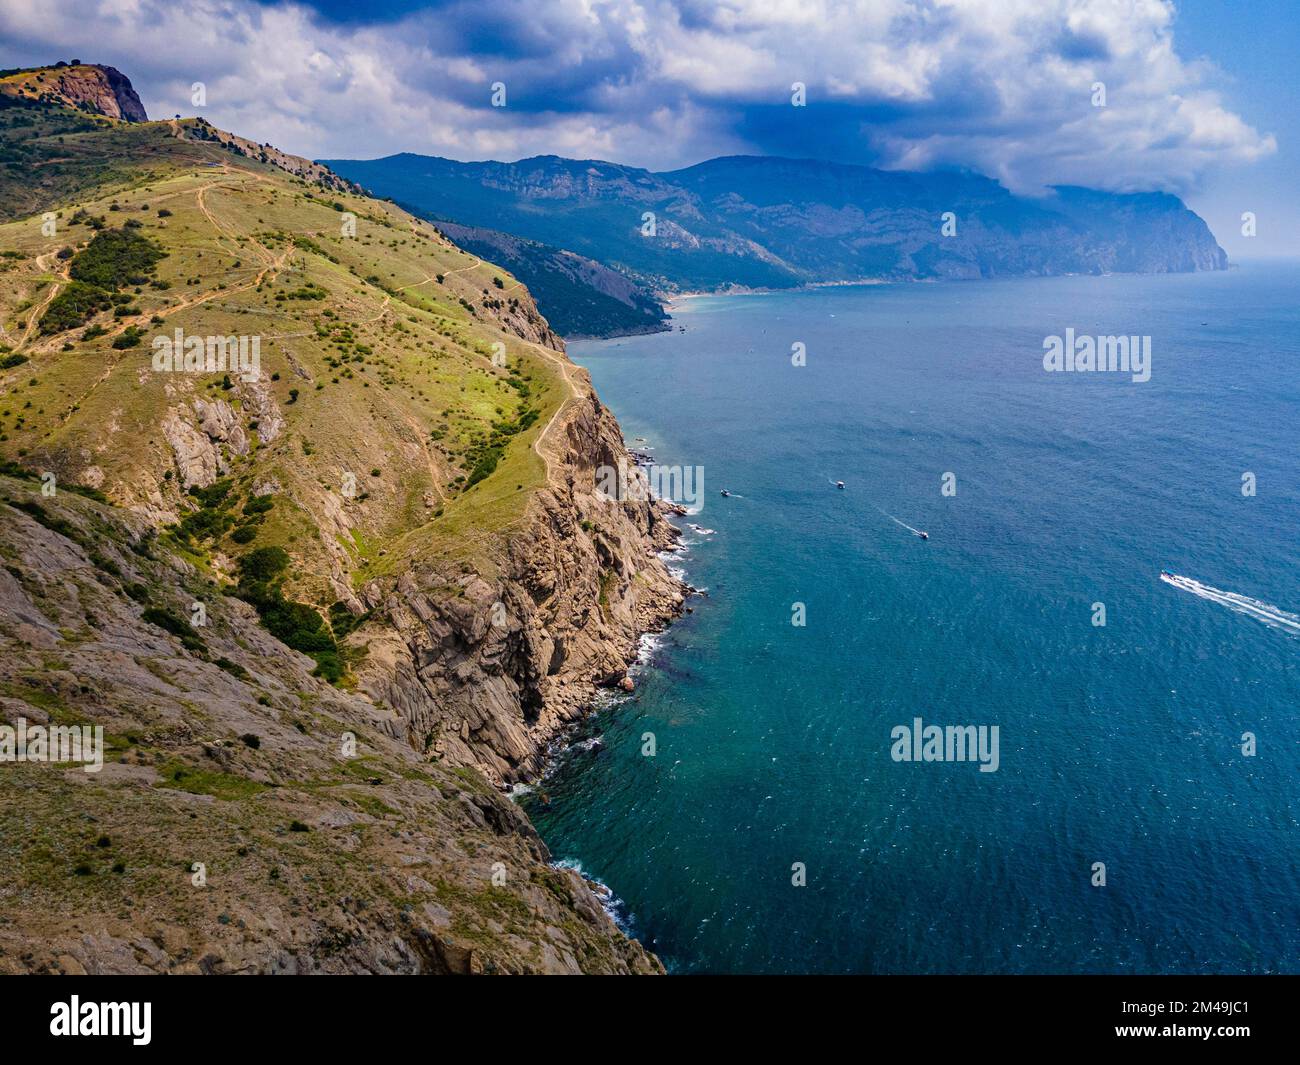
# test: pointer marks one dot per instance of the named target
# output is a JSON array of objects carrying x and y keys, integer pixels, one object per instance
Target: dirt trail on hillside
[
  {"x": 272, "y": 263},
  {"x": 574, "y": 392},
  {"x": 34, "y": 319},
  {"x": 464, "y": 269}
]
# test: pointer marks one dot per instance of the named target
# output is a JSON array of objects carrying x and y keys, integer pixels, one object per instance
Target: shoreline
[
  {"x": 582, "y": 730},
  {"x": 605, "y": 695},
  {"x": 676, "y": 298},
  {"x": 661, "y": 326},
  {"x": 583, "y": 733}
]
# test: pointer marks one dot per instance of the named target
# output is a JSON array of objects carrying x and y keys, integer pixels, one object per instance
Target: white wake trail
[
  {"x": 903, "y": 524},
  {"x": 1241, "y": 604},
  {"x": 897, "y": 521}
]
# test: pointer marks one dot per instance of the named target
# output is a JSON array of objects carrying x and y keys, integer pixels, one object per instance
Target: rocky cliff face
[
  {"x": 489, "y": 675},
  {"x": 100, "y": 89},
  {"x": 250, "y": 818}
]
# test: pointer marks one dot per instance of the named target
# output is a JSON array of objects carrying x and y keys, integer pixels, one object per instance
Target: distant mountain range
[{"x": 757, "y": 222}]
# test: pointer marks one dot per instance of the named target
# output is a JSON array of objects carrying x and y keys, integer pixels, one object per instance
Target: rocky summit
[{"x": 88, "y": 87}]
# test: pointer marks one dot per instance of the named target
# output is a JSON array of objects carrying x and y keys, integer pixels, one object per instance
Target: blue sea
[{"x": 1120, "y": 744}]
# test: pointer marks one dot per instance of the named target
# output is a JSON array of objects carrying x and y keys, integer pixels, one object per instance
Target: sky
[{"x": 1200, "y": 95}]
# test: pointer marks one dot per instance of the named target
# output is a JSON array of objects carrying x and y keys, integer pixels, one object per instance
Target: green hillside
[
  {"x": 376, "y": 350},
  {"x": 277, "y": 584}
]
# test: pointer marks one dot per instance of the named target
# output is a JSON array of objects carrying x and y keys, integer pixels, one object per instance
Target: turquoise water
[{"x": 1118, "y": 744}]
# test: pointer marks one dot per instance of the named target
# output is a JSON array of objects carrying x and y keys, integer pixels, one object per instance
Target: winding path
[{"x": 37, "y": 311}]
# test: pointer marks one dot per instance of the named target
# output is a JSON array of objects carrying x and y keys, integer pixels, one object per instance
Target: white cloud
[{"x": 1002, "y": 86}]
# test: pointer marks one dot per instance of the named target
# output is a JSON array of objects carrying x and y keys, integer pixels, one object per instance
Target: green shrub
[
  {"x": 485, "y": 466},
  {"x": 76, "y": 304},
  {"x": 212, "y": 519},
  {"x": 343, "y": 621},
  {"x": 169, "y": 622},
  {"x": 233, "y": 668},
  {"x": 329, "y": 667},
  {"x": 211, "y": 495},
  {"x": 117, "y": 257},
  {"x": 51, "y": 521},
  {"x": 130, "y": 338},
  {"x": 296, "y": 625},
  {"x": 264, "y": 564},
  {"x": 85, "y": 490}
]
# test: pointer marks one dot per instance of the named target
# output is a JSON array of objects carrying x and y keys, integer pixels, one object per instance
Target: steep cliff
[
  {"x": 250, "y": 817},
  {"x": 361, "y": 450},
  {"x": 488, "y": 675},
  {"x": 100, "y": 90}
]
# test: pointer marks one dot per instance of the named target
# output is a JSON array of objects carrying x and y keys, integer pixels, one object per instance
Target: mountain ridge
[
  {"x": 772, "y": 222},
  {"x": 582, "y": 298}
]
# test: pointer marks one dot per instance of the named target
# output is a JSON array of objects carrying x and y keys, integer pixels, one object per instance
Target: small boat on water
[
  {"x": 923, "y": 535},
  {"x": 726, "y": 493},
  {"x": 839, "y": 484}
]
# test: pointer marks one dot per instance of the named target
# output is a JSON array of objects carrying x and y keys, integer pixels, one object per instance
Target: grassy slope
[
  {"x": 239, "y": 233},
  {"x": 392, "y": 842}
]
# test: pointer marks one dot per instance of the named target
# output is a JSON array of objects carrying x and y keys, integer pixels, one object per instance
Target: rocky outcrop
[
  {"x": 249, "y": 818},
  {"x": 124, "y": 100},
  {"x": 101, "y": 89},
  {"x": 487, "y": 672},
  {"x": 263, "y": 408},
  {"x": 198, "y": 459},
  {"x": 220, "y": 423},
  {"x": 203, "y": 444}
]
